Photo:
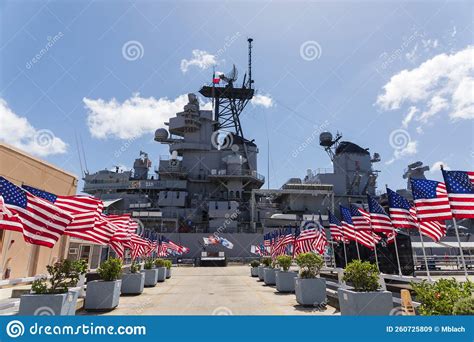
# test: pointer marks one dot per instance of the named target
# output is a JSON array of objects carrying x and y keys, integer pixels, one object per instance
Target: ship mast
[{"x": 229, "y": 101}]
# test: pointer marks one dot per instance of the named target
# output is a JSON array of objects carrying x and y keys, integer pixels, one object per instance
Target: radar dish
[{"x": 231, "y": 76}]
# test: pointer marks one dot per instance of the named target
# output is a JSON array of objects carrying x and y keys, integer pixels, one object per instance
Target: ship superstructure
[{"x": 208, "y": 175}]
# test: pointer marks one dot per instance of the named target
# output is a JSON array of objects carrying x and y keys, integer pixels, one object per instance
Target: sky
[{"x": 394, "y": 77}]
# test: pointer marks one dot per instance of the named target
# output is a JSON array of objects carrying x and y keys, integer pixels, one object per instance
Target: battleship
[{"x": 209, "y": 184}]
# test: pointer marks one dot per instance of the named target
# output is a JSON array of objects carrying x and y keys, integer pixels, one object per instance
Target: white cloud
[
  {"x": 201, "y": 59},
  {"x": 442, "y": 83},
  {"x": 435, "y": 105},
  {"x": 463, "y": 100},
  {"x": 132, "y": 118},
  {"x": 17, "y": 131},
  {"x": 409, "y": 149},
  {"x": 437, "y": 166},
  {"x": 412, "y": 111},
  {"x": 137, "y": 116},
  {"x": 262, "y": 100}
]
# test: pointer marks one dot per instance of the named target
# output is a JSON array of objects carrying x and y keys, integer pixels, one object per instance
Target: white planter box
[
  {"x": 151, "y": 277},
  {"x": 269, "y": 276},
  {"x": 310, "y": 291},
  {"x": 285, "y": 281},
  {"x": 161, "y": 274},
  {"x": 102, "y": 295},
  {"x": 63, "y": 304},
  {"x": 352, "y": 303},
  {"x": 133, "y": 283}
]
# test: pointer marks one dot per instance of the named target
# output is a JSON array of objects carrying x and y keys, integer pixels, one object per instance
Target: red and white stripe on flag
[
  {"x": 43, "y": 222},
  {"x": 9, "y": 220},
  {"x": 101, "y": 233},
  {"x": 434, "y": 209}
]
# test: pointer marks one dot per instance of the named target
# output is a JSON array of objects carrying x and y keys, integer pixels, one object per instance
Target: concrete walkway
[{"x": 212, "y": 291}]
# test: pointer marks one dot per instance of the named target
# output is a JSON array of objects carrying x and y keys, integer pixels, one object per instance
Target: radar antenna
[
  {"x": 329, "y": 143},
  {"x": 231, "y": 76}
]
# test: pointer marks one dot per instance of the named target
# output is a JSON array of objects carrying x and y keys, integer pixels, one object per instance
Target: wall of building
[{"x": 21, "y": 168}]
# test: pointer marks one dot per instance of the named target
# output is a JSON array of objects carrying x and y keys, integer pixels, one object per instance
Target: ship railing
[
  {"x": 170, "y": 169},
  {"x": 167, "y": 157},
  {"x": 443, "y": 262},
  {"x": 240, "y": 173},
  {"x": 322, "y": 170}
]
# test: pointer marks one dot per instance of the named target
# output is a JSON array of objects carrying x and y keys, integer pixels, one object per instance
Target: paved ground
[{"x": 212, "y": 290}]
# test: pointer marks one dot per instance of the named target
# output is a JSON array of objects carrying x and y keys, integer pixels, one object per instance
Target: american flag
[
  {"x": 102, "y": 232},
  {"x": 361, "y": 220},
  {"x": 43, "y": 222},
  {"x": 85, "y": 210},
  {"x": 431, "y": 200},
  {"x": 266, "y": 240},
  {"x": 277, "y": 245},
  {"x": 175, "y": 247},
  {"x": 460, "y": 188},
  {"x": 403, "y": 215},
  {"x": 335, "y": 227},
  {"x": 361, "y": 236},
  {"x": 9, "y": 220},
  {"x": 322, "y": 241},
  {"x": 287, "y": 240},
  {"x": 121, "y": 238},
  {"x": 347, "y": 224},
  {"x": 305, "y": 240},
  {"x": 139, "y": 245},
  {"x": 379, "y": 219}
]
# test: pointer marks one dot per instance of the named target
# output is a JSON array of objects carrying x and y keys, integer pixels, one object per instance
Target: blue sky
[{"x": 396, "y": 77}]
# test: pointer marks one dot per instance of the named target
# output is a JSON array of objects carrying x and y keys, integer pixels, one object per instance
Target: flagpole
[
  {"x": 375, "y": 245},
  {"x": 345, "y": 252},
  {"x": 460, "y": 249},
  {"x": 333, "y": 252},
  {"x": 396, "y": 253},
  {"x": 355, "y": 234},
  {"x": 424, "y": 252},
  {"x": 395, "y": 242},
  {"x": 357, "y": 246}
]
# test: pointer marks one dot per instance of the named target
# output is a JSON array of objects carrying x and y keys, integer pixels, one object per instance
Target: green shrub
[
  {"x": 363, "y": 276},
  {"x": 168, "y": 264},
  {"x": 310, "y": 264},
  {"x": 266, "y": 261},
  {"x": 160, "y": 263},
  {"x": 63, "y": 275},
  {"x": 110, "y": 270},
  {"x": 148, "y": 264},
  {"x": 134, "y": 267},
  {"x": 440, "y": 297},
  {"x": 284, "y": 262},
  {"x": 39, "y": 286},
  {"x": 464, "y": 306},
  {"x": 81, "y": 266},
  {"x": 255, "y": 263}
]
